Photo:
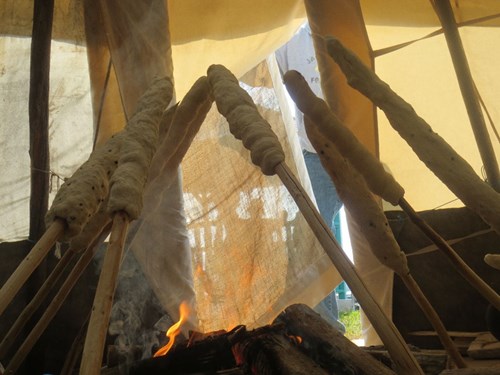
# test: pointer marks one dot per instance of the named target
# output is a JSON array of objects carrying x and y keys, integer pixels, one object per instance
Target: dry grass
[{"x": 352, "y": 323}]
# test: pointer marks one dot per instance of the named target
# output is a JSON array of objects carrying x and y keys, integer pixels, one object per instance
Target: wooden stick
[
  {"x": 392, "y": 339},
  {"x": 484, "y": 289},
  {"x": 53, "y": 308},
  {"x": 75, "y": 351},
  {"x": 30, "y": 263},
  {"x": 434, "y": 319},
  {"x": 364, "y": 209},
  {"x": 468, "y": 90},
  {"x": 328, "y": 126},
  {"x": 35, "y": 303},
  {"x": 247, "y": 124},
  {"x": 453, "y": 170},
  {"x": 103, "y": 301}
]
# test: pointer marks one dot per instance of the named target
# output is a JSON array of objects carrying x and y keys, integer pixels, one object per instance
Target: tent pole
[
  {"x": 38, "y": 109},
  {"x": 39, "y": 115},
  {"x": 469, "y": 93}
]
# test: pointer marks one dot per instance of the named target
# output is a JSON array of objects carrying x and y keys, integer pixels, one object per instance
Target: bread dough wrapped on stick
[
  {"x": 140, "y": 141},
  {"x": 359, "y": 201},
  {"x": 120, "y": 165},
  {"x": 186, "y": 121},
  {"x": 92, "y": 230},
  {"x": 365, "y": 210},
  {"x": 244, "y": 120},
  {"x": 379, "y": 181},
  {"x": 246, "y": 124},
  {"x": 81, "y": 196},
  {"x": 434, "y": 151}
]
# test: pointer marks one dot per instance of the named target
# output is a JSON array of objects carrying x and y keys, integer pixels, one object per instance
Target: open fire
[
  {"x": 298, "y": 341},
  {"x": 175, "y": 329}
]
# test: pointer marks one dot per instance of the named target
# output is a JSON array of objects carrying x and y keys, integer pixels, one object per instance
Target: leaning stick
[
  {"x": 246, "y": 124},
  {"x": 463, "y": 268},
  {"x": 30, "y": 263},
  {"x": 365, "y": 210},
  {"x": 35, "y": 303},
  {"x": 75, "y": 350},
  {"x": 55, "y": 305},
  {"x": 125, "y": 202},
  {"x": 87, "y": 238},
  {"x": 434, "y": 151},
  {"x": 103, "y": 300},
  {"x": 378, "y": 180},
  {"x": 401, "y": 355}
]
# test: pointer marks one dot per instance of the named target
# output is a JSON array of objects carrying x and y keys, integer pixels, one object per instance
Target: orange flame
[{"x": 175, "y": 329}]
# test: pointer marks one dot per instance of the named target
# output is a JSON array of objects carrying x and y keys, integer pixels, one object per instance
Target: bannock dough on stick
[
  {"x": 433, "y": 150},
  {"x": 187, "y": 119},
  {"x": 379, "y": 181},
  {"x": 91, "y": 230},
  {"x": 244, "y": 120},
  {"x": 359, "y": 201},
  {"x": 81, "y": 196},
  {"x": 140, "y": 140}
]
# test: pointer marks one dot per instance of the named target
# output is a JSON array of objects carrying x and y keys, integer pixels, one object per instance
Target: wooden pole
[
  {"x": 35, "y": 303},
  {"x": 469, "y": 92},
  {"x": 75, "y": 351},
  {"x": 434, "y": 319},
  {"x": 463, "y": 268},
  {"x": 38, "y": 103},
  {"x": 29, "y": 263},
  {"x": 53, "y": 307},
  {"x": 103, "y": 300},
  {"x": 378, "y": 180},
  {"x": 392, "y": 339},
  {"x": 38, "y": 110}
]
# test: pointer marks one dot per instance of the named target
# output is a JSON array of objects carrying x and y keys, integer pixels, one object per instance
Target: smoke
[{"x": 138, "y": 322}]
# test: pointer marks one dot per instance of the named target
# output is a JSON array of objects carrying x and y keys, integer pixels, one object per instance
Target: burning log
[
  {"x": 269, "y": 350},
  {"x": 207, "y": 355},
  {"x": 328, "y": 346},
  {"x": 299, "y": 341}
]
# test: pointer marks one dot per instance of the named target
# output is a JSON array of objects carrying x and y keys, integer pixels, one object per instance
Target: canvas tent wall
[{"x": 240, "y": 35}]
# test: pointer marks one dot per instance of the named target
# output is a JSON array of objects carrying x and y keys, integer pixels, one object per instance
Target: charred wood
[
  {"x": 268, "y": 351},
  {"x": 327, "y": 346},
  {"x": 206, "y": 356}
]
